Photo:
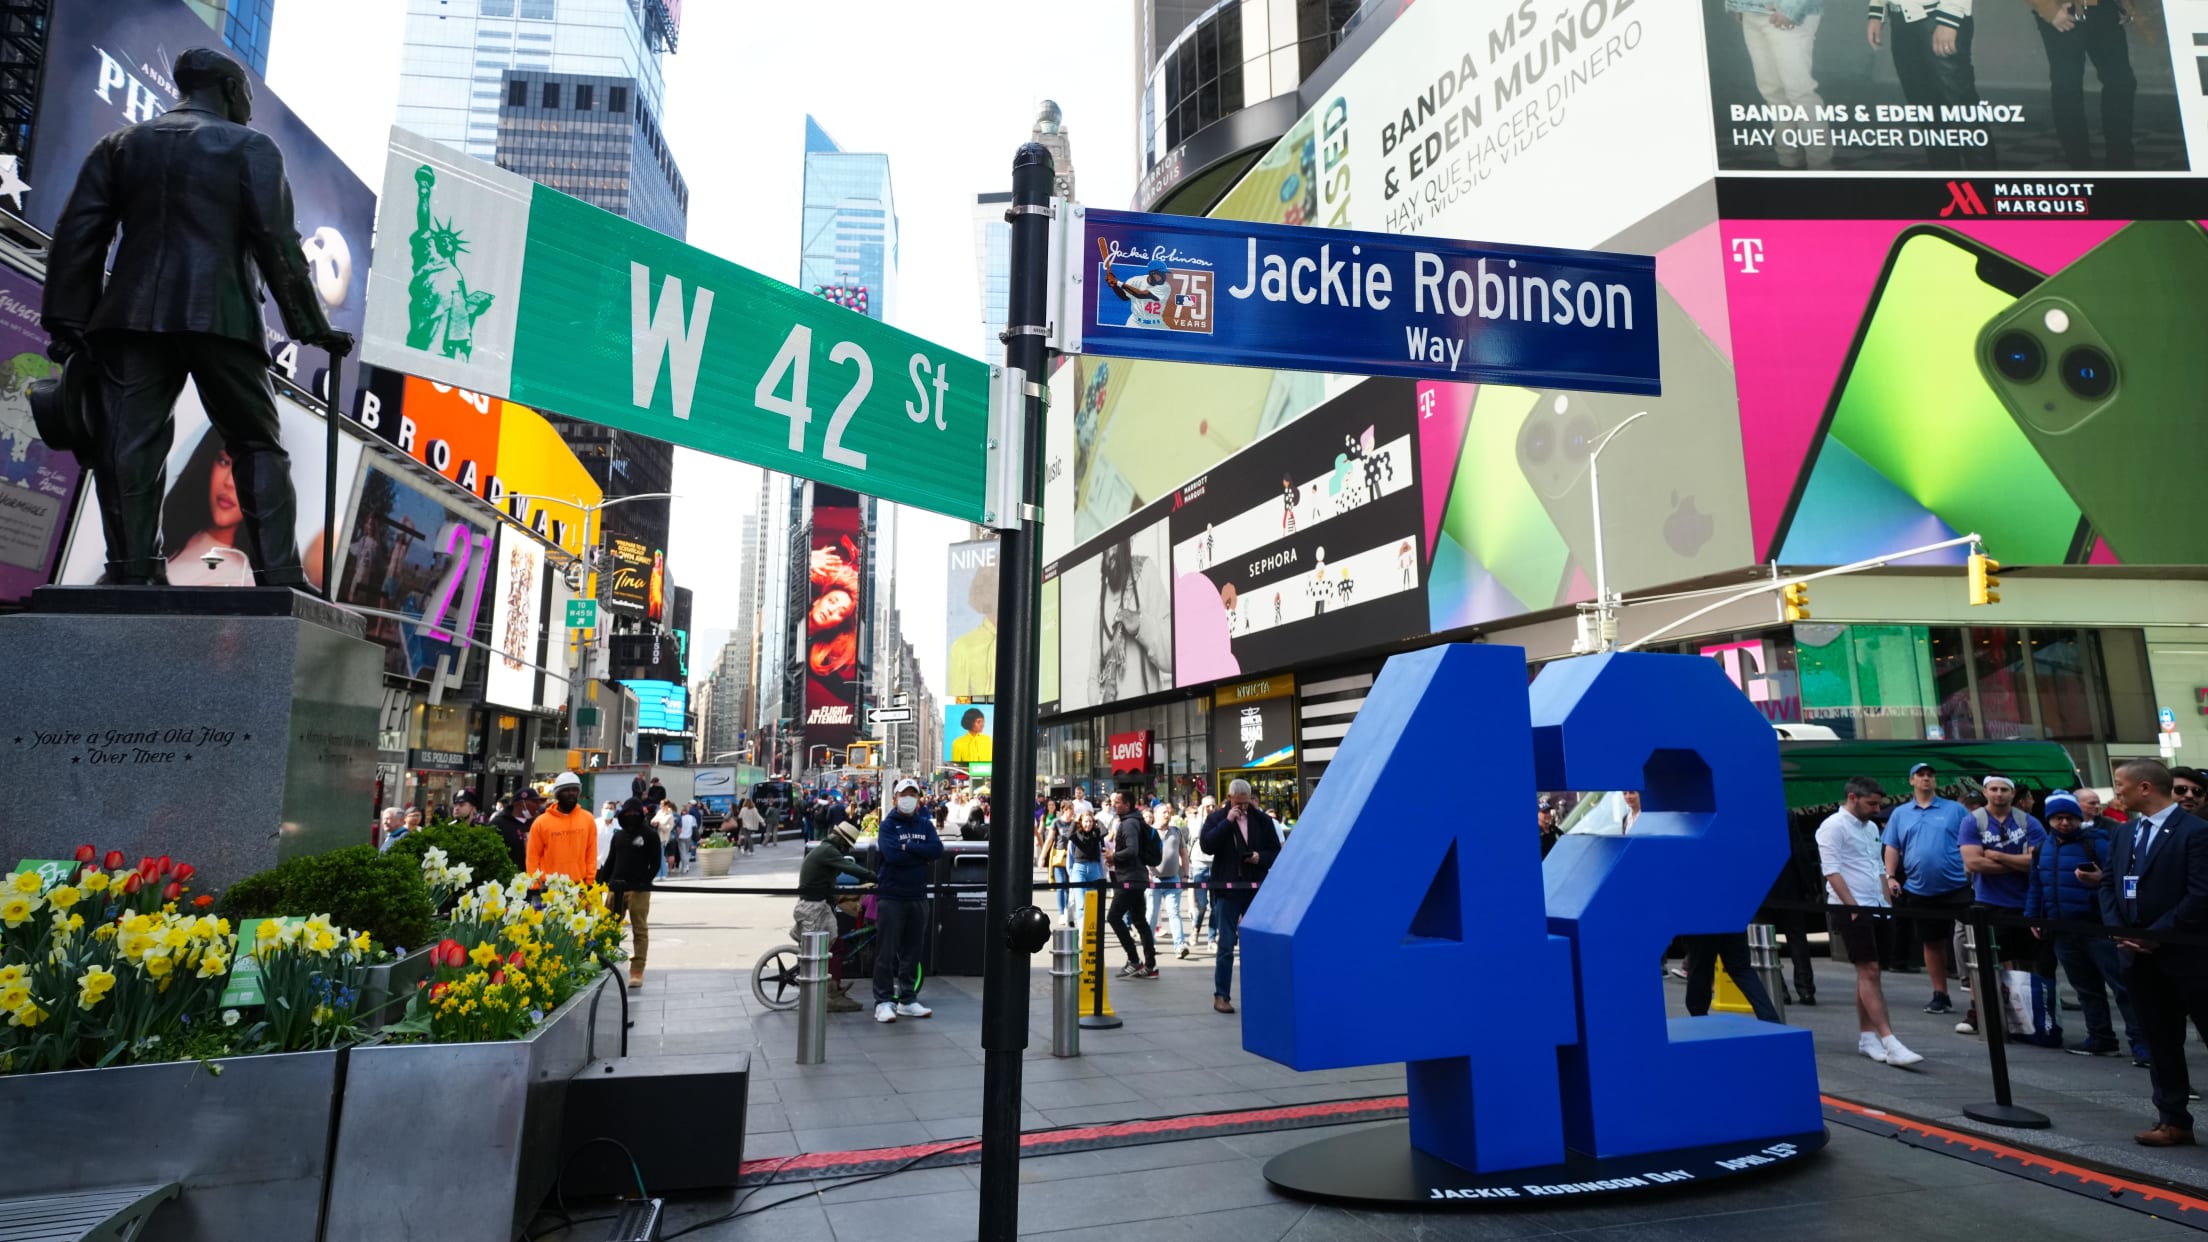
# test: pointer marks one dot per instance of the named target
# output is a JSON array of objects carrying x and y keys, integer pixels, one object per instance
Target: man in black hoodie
[
  {"x": 1242, "y": 843},
  {"x": 909, "y": 844},
  {"x": 632, "y": 861},
  {"x": 513, "y": 824}
]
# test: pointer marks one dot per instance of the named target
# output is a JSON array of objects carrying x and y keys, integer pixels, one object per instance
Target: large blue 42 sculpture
[{"x": 1524, "y": 995}]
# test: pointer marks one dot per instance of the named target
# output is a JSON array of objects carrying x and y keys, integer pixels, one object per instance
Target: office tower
[
  {"x": 503, "y": 80},
  {"x": 849, "y": 233},
  {"x": 244, "y": 26}
]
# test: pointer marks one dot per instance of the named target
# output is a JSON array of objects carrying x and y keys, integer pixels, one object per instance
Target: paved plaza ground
[{"x": 917, "y": 1082}]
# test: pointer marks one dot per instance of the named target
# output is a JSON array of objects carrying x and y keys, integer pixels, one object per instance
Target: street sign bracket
[
  {"x": 1062, "y": 297},
  {"x": 1001, "y": 499}
]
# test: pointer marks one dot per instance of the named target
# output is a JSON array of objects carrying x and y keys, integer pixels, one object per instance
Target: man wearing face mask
[
  {"x": 564, "y": 840},
  {"x": 632, "y": 862},
  {"x": 909, "y": 844}
]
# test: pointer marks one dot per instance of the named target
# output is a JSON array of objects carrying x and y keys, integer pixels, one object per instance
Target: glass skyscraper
[
  {"x": 849, "y": 235},
  {"x": 244, "y": 26},
  {"x": 993, "y": 234}
]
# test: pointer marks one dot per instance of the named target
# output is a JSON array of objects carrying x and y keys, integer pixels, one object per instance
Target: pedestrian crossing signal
[
  {"x": 1984, "y": 577},
  {"x": 1796, "y": 597}
]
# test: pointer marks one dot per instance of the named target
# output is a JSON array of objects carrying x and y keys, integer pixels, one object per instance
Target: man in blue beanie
[
  {"x": 909, "y": 844},
  {"x": 2066, "y": 883}
]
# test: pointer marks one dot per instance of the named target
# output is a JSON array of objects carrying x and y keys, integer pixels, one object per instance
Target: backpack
[{"x": 1153, "y": 850}]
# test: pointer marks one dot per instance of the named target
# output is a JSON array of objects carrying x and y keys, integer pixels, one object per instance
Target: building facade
[
  {"x": 245, "y": 27},
  {"x": 591, "y": 137},
  {"x": 849, "y": 231}
]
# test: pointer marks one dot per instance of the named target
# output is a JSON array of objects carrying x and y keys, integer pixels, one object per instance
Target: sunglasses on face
[{"x": 2186, "y": 791}]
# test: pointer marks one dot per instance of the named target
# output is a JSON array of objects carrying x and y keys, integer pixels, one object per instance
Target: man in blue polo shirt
[{"x": 1924, "y": 871}]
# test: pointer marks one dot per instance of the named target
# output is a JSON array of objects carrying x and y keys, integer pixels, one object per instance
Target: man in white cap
[
  {"x": 909, "y": 844},
  {"x": 1998, "y": 843}
]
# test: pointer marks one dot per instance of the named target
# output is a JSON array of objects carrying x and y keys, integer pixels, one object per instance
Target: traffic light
[
  {"x": 1984, "y": 577},
  {"x": 1796, "y": 595}
]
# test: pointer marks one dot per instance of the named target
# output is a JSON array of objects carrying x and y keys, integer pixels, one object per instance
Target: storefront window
[
  {"x": 443, "y": 728},
  {"x": 2064, "y": 672},
  {"x": 2004, "y": 698},
  {"x": 1870, "y": 682},
  {"x": 1951, "y": 686}
]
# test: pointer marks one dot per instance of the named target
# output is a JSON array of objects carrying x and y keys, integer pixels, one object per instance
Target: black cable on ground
[{"x": 739, "y": 1211}]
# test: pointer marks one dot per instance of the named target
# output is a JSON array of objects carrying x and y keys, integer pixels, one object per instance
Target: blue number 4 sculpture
[{"x": 1522, "y": 995}]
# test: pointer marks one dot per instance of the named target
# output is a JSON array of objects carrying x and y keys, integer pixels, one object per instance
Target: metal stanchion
[
  {"x": 812, "y": 998},
  {"x": 1065, "y": 992},
  {"x": 1763, "y": 956},
  {"x": 1993, "y": 1024}
]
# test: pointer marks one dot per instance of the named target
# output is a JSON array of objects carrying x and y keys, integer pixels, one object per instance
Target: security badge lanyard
[{"x": 2138, "y": 862}]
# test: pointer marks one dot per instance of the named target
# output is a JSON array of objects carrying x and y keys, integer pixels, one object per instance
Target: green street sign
[
  {"x": 50, "y": 870},
  {"x": 510, "y": 289},
  {"x": 582, "y": 614}
]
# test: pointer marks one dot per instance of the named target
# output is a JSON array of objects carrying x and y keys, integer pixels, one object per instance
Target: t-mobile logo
[
  {"x": 1748, "y": 252},
  {"x": 1962, "y": 200}
]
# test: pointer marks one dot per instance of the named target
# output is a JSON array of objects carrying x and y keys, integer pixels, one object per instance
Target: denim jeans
[
  {"x": 1058, "y": 876},
  {"x": 1202, "y": 882},
  {"x": 1226, "y": 920},
  {"x": 904, "y": 932},
  {"x": 1085, "y": 872},
  {"x": 1167, "y": 894},
  {"x": 2091, "y": 961}
]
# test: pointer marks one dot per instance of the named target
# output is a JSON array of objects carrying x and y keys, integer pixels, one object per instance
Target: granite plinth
[{"x": 230, "y": 729}]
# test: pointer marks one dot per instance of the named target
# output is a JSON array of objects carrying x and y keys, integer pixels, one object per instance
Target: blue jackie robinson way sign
[{"x": 1189, "y": 289}]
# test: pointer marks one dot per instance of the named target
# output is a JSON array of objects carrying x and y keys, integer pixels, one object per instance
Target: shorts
[
  {"x": 1866, "y": 937},
  {"x": 1936, "y": 930}
]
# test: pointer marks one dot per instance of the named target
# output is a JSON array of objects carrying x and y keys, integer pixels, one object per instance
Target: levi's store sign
[{"x": 1130, "y": 752}]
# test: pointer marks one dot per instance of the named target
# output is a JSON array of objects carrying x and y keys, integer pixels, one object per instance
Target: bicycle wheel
[{"x": 774, "y": 977}]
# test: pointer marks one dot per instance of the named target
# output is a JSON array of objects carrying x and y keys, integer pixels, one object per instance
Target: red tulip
[
  {"x": 514, "y": 958},
  {"x": 438, "y": 993},
  {"x": 133, "y": 882},
  {"x": 498, "y": 976},
  {"x": 185, "y": 872},
  {"x": 114, "y": 860},
  {"x": 173, "y": 891},
  {"x": 149, "y": 866},
  {"x": 86, "y": 853},
  {"x": 449, "y": 953},
  {"x": 163, "y": 864}
]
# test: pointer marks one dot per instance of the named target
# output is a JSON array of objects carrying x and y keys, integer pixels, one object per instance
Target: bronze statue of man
[{"x": 202, "y": 202}]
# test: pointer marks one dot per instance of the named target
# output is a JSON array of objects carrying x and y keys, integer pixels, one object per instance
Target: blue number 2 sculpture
[{"x": 1522, "y": 995}]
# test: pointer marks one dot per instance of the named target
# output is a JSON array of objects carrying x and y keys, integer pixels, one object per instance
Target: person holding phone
[
  {"x": 1243, "y": 842},
  {"x": 2066, "y": 887}
]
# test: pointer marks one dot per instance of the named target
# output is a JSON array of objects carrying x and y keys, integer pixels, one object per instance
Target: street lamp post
[{"x": 1606, "y": 622}]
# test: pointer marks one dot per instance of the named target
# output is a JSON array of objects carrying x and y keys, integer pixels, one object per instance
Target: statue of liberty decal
[{"x": 441, "y": 309}]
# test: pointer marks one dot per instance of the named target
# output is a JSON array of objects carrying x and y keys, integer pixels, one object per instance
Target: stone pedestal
[{"x": 229, "y": 728}]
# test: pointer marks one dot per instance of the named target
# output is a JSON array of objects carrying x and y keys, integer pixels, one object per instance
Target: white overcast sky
[{"x": 948, "y": 91}]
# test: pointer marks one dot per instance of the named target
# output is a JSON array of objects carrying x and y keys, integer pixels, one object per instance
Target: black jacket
[
  {"x": 202, "y": 203},
  {"x": 1227, "y": 853},
  {"x": 633, "y": 861},
  {"x": 2173, "y": 888},
  {"x": 516, "y": 835}
]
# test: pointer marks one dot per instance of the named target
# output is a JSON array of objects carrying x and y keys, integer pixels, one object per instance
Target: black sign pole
[{"x": 1019, "y": 587}]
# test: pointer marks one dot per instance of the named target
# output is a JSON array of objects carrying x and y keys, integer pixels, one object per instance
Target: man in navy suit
[{"x": 2158, "y": 882}]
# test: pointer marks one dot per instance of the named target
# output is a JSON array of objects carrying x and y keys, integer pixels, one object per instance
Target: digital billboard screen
[
  {"x": 108, "y": 65},
  {"x": 630, "y": 563},
  {"x": 37, "y": 483},
  {"x": 517, "y": 619},
  {"x": 969, "y": 730},
  {"x": 971, "y": 595},
  {"x": 406, "y": 552},
  {"x": 836, "y": 570}
]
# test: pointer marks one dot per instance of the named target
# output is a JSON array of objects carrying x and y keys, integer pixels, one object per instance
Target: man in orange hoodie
[{"x": 565, "y": 839}]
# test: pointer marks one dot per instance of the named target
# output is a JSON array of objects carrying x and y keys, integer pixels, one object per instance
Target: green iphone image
[{"x": 2104, "y": 368}]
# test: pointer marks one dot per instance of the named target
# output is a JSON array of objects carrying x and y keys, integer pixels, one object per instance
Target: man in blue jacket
[
  {"x": 909, "y": 844},
  {"x": 2061, "y": 890},
  {"x": 1242, "y": 843}
]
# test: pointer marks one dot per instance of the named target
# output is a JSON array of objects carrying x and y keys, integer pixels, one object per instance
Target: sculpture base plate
[{"x": 1378, "y": 1167}]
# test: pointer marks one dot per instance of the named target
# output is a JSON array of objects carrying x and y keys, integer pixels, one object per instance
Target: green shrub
[
  {"x": 356, "y": 887},
  {"x": 477, "y": 845}
]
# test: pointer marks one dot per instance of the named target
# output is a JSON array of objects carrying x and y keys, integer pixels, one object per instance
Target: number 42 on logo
[{"x": 1523, "y": 995}]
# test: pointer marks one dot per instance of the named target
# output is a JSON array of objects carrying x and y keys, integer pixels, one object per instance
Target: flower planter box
[
  {"x": 250, "y": 1147},
  {"x": 391, "y": 979},
  {"x": 455, "y": 1142},
  {"x": 715, "y": 862}
]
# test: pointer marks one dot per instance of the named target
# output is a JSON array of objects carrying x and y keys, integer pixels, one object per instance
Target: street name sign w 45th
[
  {"x": 509, "y": 289},
  {"x": 1189, "y": 289}
]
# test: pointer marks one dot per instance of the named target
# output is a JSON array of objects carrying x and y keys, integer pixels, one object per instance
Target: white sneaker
[
  {"x": 912, "y": 1009},
  {"x": 1898, "y": 1054},
  {"x": 1871, "y": 1047},
  {"x": 885, "y": 1012}
]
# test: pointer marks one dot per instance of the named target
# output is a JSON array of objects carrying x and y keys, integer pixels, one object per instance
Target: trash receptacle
[{"x": 961, "y": 908}]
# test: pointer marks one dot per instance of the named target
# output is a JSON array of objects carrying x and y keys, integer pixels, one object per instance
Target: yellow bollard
[
  {"x": 1096, "y": 1000},
  {"x": 1728, "y": 998}
]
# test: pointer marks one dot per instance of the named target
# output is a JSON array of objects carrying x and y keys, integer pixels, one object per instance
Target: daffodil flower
[{"x": 26, "y": 882}]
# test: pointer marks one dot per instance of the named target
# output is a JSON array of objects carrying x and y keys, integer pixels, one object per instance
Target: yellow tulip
[{"x": 63, "y": 897}]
